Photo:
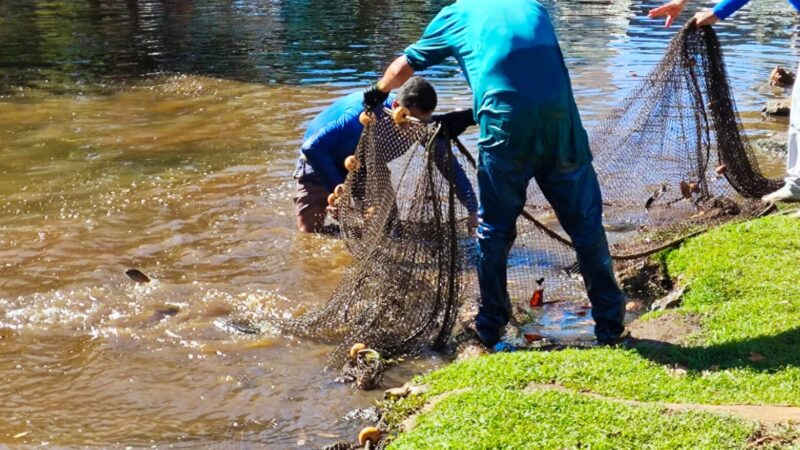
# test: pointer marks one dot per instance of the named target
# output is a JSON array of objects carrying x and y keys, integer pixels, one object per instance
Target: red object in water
[
  {"x": 533, "y": 337},
  {"x": 537, "y": 299}
]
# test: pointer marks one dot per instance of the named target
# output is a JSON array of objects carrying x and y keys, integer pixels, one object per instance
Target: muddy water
[{"x": 162, "y": 136}]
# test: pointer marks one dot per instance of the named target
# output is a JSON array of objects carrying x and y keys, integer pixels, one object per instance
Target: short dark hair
[{"x": 417, "y": 92}]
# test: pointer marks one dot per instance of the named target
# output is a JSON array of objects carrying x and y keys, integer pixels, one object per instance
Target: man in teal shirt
[{"x": 529, "y": 128}]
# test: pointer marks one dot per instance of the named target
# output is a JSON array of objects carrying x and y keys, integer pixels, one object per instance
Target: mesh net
[
  {"x": 400, "y": 218},
  {"x": 672, "y": 158}
]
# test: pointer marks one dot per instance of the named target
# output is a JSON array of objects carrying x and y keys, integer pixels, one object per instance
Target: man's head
[{"x": 418, "y": 96}]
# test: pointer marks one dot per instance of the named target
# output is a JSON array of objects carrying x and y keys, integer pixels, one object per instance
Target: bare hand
[
  {"x": 671, "y": 10},
  {"x": 704, "y": 18}
]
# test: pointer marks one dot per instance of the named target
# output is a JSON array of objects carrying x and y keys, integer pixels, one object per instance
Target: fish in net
[{"x": 672, "y": 160}]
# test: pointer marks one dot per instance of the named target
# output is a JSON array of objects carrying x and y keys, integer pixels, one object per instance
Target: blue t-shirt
[
  {"x": 333, "y": 135},
  {"x": 510, "y": 56},
  {"x": 726, "y": 8},
  {"x": 330, "y": 138}
]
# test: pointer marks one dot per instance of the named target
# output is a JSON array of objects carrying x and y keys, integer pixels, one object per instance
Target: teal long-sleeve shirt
[{"x": 510, "y": 56}]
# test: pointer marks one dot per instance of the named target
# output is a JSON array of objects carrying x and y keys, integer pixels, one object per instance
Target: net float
[
  {"x": 694, "y": 187},
  {"x": 369, "y": 435},
  {"x": 721, "y": 169},
  {"x": 365, "y": 118},
  {"x": 332, "y": 199},
  {"x": 355, "y": 349},
  {"x": 351, "y": 163},
  {"x": 338, "y": 190},
  {"x": 400, "y": 115}
]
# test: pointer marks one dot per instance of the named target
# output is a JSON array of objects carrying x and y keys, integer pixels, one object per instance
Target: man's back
[
  {"x": 341, "y": 110},
  {"x": 506, "y": 47}
]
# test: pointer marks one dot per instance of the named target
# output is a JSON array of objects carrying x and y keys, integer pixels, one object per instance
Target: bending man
[
  {"x": 333, "y": 136},
  {"x": 529, "y": 128}
]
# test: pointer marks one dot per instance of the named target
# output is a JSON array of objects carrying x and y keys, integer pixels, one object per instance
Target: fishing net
[
  {"x": 401, "y": 218},
  {"x": 672, "y": 160},
  {"x": 676, "y": 144}
]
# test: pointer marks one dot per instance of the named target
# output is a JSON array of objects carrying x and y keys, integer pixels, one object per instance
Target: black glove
[
  {"x": 455, "y": 122},
  {"x": 374, "y": 97}
]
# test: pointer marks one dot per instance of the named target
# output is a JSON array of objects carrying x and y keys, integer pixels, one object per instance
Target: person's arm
[
  {"x": 456, "y": 122},
  {"x": 463, "y": 187},
  {"x": 398, "y": 73},
  {"x": 722, "y": 11},
  {"x": 726, "y": 8},
  {"x": 319, "y": 152},
  {"x": 433, "y": 47}
]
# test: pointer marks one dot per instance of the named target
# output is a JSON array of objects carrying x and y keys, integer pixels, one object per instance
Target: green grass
[
  {"x": 501, "y": 418},
  {"x": 744, "y": 286}
]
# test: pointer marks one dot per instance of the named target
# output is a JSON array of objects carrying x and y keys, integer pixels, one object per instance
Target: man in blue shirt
[
  {"x": 333, "y": 135},
  {"x": 529, "y": 128},
  {"x": 790, "y": 191}
]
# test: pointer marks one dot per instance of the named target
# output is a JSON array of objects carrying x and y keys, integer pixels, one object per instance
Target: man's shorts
[{"x": 309, "y": 193}]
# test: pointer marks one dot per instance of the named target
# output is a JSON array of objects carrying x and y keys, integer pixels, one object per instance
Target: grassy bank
[{"x": 744, "y": 296}]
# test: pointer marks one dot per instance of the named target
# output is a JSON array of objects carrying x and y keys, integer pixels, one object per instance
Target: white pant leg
[{"x": 793, "y": 156}]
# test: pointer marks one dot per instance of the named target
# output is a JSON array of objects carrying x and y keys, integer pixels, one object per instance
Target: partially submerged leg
[{"x": 310, "y": 206}]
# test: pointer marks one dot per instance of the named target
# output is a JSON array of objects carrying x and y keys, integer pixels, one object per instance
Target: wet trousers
[{"x": 505, "y": 168}]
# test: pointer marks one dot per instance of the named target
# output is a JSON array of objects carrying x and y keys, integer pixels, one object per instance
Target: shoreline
[{"x": 697, "y": 366}]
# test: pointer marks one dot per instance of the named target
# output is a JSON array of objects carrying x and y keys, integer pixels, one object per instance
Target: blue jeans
[{"x": 506, "y": 166}]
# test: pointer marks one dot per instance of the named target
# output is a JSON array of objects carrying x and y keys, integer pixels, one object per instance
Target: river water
[{"x": 162, "y": 135}]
